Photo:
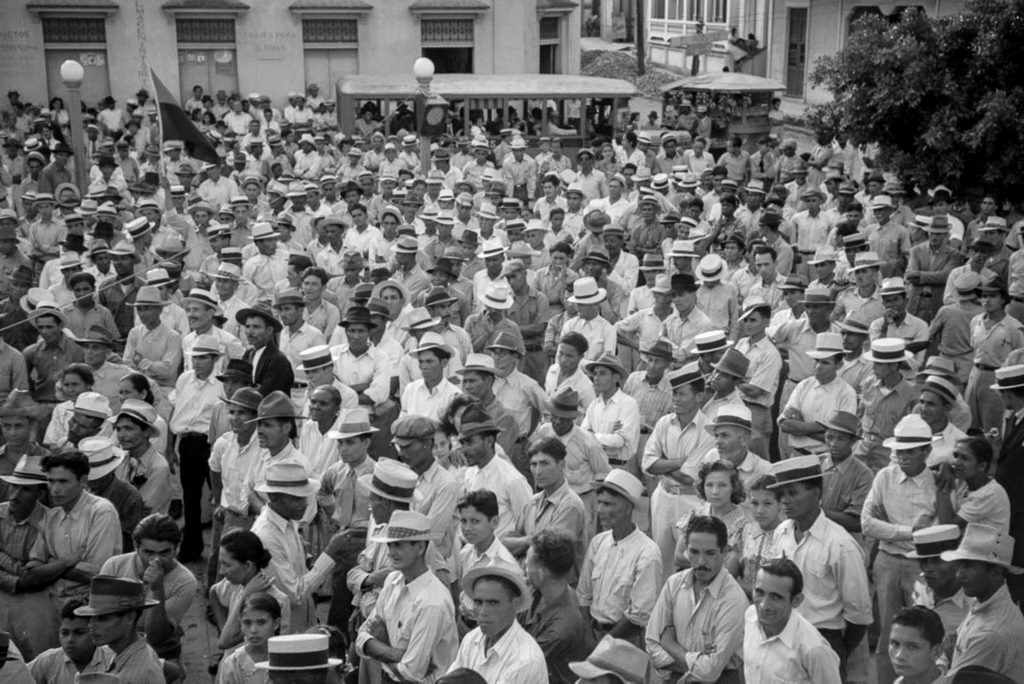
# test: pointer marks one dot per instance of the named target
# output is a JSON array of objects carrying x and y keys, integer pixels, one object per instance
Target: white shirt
[
  {"x": 418, "y": 399},
  {"x": 818, "y": 403},
  {"x": 514, "y": 659},
  {"x": 602, "y": 414},
  {"x": 599, "y": 333},
  {"x": 193, "y": 401},
  {"x": 620, "y": 578},
  {"x": 233, "y": 461},
  {"x": 507, "y": 483},
  {"x": 796, "y": 655}
]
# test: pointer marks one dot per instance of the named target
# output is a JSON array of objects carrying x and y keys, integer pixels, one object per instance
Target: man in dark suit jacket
[
  {"x": 1010, "y": 466},
  {"x": 271, "y": 368}
]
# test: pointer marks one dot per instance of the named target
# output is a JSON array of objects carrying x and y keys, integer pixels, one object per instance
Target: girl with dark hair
[
  {"x": 77, "y": 378},
  {"x": 260, "y": 620},
  {"x": 719, "y": 487},
  {"x": 243, "y": 566}
]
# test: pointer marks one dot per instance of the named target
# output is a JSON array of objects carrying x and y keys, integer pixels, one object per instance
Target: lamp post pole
[
  {"x": 423, "y": 70},
  {"x": 72, "y": 73}
]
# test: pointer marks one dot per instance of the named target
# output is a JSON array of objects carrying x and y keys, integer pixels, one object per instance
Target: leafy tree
[{"x": 943, "y": 99}]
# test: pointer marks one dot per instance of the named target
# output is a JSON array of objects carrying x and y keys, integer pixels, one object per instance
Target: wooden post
[{"x": 641, "y": 54}]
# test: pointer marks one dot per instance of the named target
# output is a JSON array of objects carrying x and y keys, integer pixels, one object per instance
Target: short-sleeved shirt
[{"x": 620, "y": 578}]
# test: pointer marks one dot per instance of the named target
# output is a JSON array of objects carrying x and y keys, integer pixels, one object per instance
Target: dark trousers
[
  {"x": 341, "y": 598},
  {"x": 834, "y": 637},
  {"x": 194, "y": 457}
]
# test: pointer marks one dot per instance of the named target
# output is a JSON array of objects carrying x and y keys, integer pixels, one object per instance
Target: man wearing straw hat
[
  {"x": 411, "y": 630},
  {"x": 46, "y": 359},
  {"x": 299, "y": 659},
  {"x": 612, "y": 661},
  {"x": 116, "y": 605},
  {"x": 614, "y": 416},
  {"x": 152, "y": 348},
  {"x": 98, "y": 347},
  {"x": 938, "y": 587},
  {"x": 884, "y": 399},
  {"x": 990, "y": 634},
  {"x": 19, "y": 415}
]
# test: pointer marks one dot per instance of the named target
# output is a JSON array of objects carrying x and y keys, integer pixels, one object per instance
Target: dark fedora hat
[
  {"x": 357, "y": 315},
  {"x": 109, "y": 595},
  {"x": 236, "y": 369},
  {"x": 262, "y": 311}
]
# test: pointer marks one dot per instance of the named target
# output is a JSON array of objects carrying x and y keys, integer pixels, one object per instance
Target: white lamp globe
[
  {"x": 423, "y": 68},
  {"x": 72, "y": 73}
]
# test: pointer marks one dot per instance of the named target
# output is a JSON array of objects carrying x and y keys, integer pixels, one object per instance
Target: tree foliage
[{"x": 943, "y": 99}]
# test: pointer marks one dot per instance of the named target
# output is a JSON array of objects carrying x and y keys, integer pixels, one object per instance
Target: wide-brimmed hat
[
  {"x": 27, "y": 473},
  {"x": 843, "y": 421},
  {"x": 405, "y": 526},
  {"x": 731, "y": 415},
  {"x": 734, "y": 363},
  {"x": 47, "y": 307},
  {"x": 796, "y": 469},
  {"x": 498, "y": 295},
  {"x": 662, "y": 284},
  {"x": 19, "y": 403},
  {"x": 986, "y": 544},
  {"x": 289, "y": 476},
  {"x": 685, "y": 375},
  {"x": 245, "y": 397},
  {"x": 623, "y": 483},
  {"x": 93, "y": 405},
  {"x": 652, "y": 261},
  {"x": 506, "y": 340},
  {"x": 1009, "y": 377},
  {"x": 148, "y": 295},
  {"x": 827, "y": 345},
  {"x": 262, "y": 311},
  {"x": 660, "y": 348},
  {"x": 710, "y": 268},
  {"x": 104, "y": 457},
  {"x": 586, "y": 291},
  {"x": 823, "y": 255},
  {"x": 609, "y": 361},
  {"x": 502, "y": 569},
  {"x": 420, "y": 319},
  {"x": 865, "y": 260},
  {"x": 479, "y": 363},
  {"x": 109, "y": 594},
  {"x": 942, "y": 387},
  {"x": 710, "y": 342},
  {"x": 483, "y": 425},
  {"x": 236, "y": 369},
  {"x": 206, "y": 345},
  {"x": 930, "y": 542},
  {"x": 205, "y": 297},
  {"x": 795, "y": 282},
  {"x": 817, "y": 294},
  {"x": 893, "y": 286},
  {"x": 299, "y": 652},
  {"x": 751, "y": 304},
  {"x": 852, "y": 324},
  {"x": 355, "y": 424},
  {"x": 391, "y": 480},
  {"x": 616, "y": 658},
  {"x": 357, "y": 315},
  {"x": 276, "y": 405},
  {"x": 565, "y": 404},
  {"x": 142, "y": 412},
  {"x": 912, "y": 432},
  {"x": 888, "y": 350}
]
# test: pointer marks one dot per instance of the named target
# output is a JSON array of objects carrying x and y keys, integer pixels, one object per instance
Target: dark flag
[{"x": 175, "y": 124}]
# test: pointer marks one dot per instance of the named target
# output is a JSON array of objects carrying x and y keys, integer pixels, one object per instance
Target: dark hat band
[
  {"x": 318, "y": 362},
  {"x": 288, "y": 483},
  {"x": 404, "y": 532},
  {"x": 707, "y": 347},
  {"x": 1012, "y": 382},
  {"x": 308, "y": 659},
  {"x": 41, "y": 478},
  {"x": 935, "y": 548},
  {"x": 100, "y": 464},
  {"x": 797, "y": 474},
  {"x": 888, "y": 356},
  {"x": 730, "y": 421},
  {"x": 919, "y": 441},
  {"x": 681, "y": 380},
  {"x": 403, "y": 492}
]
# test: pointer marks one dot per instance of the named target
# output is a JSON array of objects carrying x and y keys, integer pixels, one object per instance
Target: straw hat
[
  {"x": 609, "y": 361},
  {"x": 986, "y": 544},
  {"x": 930, "y": 542},
  {"x": 710, "y": 268},
  {"x": 93, "y": 405},
  {"x": 27, "y": 473},
  {"x": 391, "y": 480},
  {"x": 615, "y": 658},
  {"x": 355, "y": 424},
  {"x": 140, "y": 411},
  {"x": 796, "y": 469},
  {"x": 316, "y": 357},
  {"x": 710, "y": 342},
  {"x": 405, "y": 526},
  {"x": 505, "y": 570},
  {"x": 731, "y": 415},
  {"x": 910, "y": 433},
  {"x": 586, "y": 291},
  {"x": 888, "y": 350},
  {"x": 827, "y": 345},
  {"x": 622, "y": 483},
  {"x": 687, "y": 374},
  {"x": 479, "y": 363},
  {"x": 289, "y": 477},
  {"x": 498, "y": 296},
  {"x": 1009, "y": 377},
  {"x": 298, "y": 652},
  {"x": 104, "y": 457}
]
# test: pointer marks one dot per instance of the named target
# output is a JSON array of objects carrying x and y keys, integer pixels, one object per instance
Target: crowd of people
[{"x": 509, "y": 414}]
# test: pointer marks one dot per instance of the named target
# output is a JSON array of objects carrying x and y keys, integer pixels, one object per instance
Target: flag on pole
[{"x": 175, "y": 124}]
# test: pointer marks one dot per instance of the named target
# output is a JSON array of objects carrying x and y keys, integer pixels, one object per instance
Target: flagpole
[{"x": 160, "y": 136}]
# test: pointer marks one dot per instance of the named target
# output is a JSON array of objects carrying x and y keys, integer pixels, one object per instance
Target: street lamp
[
  {"x": 423, "y": 70},
  {"x": 73, "y": 73}
]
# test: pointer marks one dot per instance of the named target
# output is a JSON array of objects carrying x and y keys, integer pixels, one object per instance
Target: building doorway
[{"x": 796, "y": 51}]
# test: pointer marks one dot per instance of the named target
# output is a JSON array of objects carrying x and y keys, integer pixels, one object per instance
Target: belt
[
  {"x": 300, "y": 385},
  {"x": 534, "y": 347},
  {"x": 618, "y": 461},
  {"x": 602, "y": 626},
  {"x": 985, "y": 367},
  {"x": 183, "y": 435}
]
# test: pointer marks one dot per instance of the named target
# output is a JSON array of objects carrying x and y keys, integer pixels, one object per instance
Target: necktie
[{"x": 346, "y": 503}]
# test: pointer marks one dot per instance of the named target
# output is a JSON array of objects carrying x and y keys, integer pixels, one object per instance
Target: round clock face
[{"x": 435, "y": 115}]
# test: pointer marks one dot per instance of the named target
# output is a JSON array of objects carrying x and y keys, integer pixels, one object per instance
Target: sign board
[{"x": 698, "y": 43}]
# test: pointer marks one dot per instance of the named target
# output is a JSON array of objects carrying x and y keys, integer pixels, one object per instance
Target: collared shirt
[
  {"x": 654, "y": 401},
  {"x": 81, "y": 320},
  {"x": 324, "y": 317},
  {"x": 644, "y": 324},
  {"x": 264, "y": 271},
  {"x": 233, "y": 462},
  {"x": 91, "y": 528},
  {"x": 952, "y": 609},
  {"x": 468, "y": 557},
  {"x": 951, "y": 327},
  {"x": 522, "y": 397},
  {"x": 293, "y": 342},
  {"x": 578, "y": 381},
  {"x": 156, "y": 353},
  {"x": 765, "y": 368},
  {"x": 560, "y": 632},
  {"x": 599, "y": 332},
  {"x": 835, "y": 579},
  {"x": 798, "y": 337},
  {"x": 515, "y": 658},
  {"x": 846, "y": 485},
  {"x": 151, "y": 475},
  {"x": 257, "y": 473},
  {"x": 620, "y": 578},
  {"x": 893, "y": 506},
  {"x": 16, "y": 541},
  {"x": 419, "y": 619},
  {"x": 45, "y": 364},
  {"x": 796, "y": 655},
  {"x": 671, "y": 440},
  {"x": 436, "y": 495},
  {"x": 817, "y": 403},
  {"x": 137, "y": 663},
  {"x": 193, "y": 401},
  {"x": 856, "y": 372},
  {"x": 849, "y": 303},
  {"x": 708, "y": 624},
  {"x": 508, "y": 484},
  {"x": 561, "y": 510},
  {"x": 771, "y": 292},
  {"x": 320, "y": 450},
  {"x": 619, "y": 442},
  {"x": 229, "y": 344},
  {"x": 179, "y": 593},
  {"x": 418, "y": 399},
  {"x": 339, "y": 489},
  {"x": 988, "y": 504},
  {"x": 371, "y": 367},
  {"x": 681, "y": 330},
  {"x": 757, "y": 545},
  {"x": 715, "y": 404},
  {"x": 585, "y": 460},
  {"x": 881, "y": 408},
  {"x": 993, "y": 342},
  {"x": 282, "y": 539},
  {"x": 990, "y": 636},
  {"x": 720, "y": 303},
  {"x": 53, "y": 666}
]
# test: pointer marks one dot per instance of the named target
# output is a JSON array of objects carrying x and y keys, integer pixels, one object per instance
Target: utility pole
[{"x": 640, "y": 47}]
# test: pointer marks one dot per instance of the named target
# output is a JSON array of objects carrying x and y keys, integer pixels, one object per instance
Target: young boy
[
  {"x": 478, "y": 519},
  {"x": 759, "y": 541},
  {"x": 76, "y": 655},
  {"x": 915, "y": 644}
]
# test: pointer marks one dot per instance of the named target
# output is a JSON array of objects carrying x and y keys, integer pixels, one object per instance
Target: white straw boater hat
[
  {"x": 796, "y": 469},
  {"x": 888, "y": 350},
  {"x": 930, "y": 542},
  {"x": 498, "y": 295},
  {"x": 298, "y": 652},
  {"x": 406, "y": 526},
  {"x": 289, "y": 477},
  {"x": 391, "y": 480},
  {"x": 1009, "y": 377},
  {"x": 910, "y": 433}
]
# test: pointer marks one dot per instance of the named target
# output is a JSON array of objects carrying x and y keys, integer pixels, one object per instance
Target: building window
[
  {"x": 693, "y": 11},
  {"x": 330, "y": 51},
  {"x": 449, "y": 44},
  {"x": 206, "y": 55},
  {"x": 83, "y": 39},
  {"x": 550, "y": 30},
  {"x": 718, "y": 11}
]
